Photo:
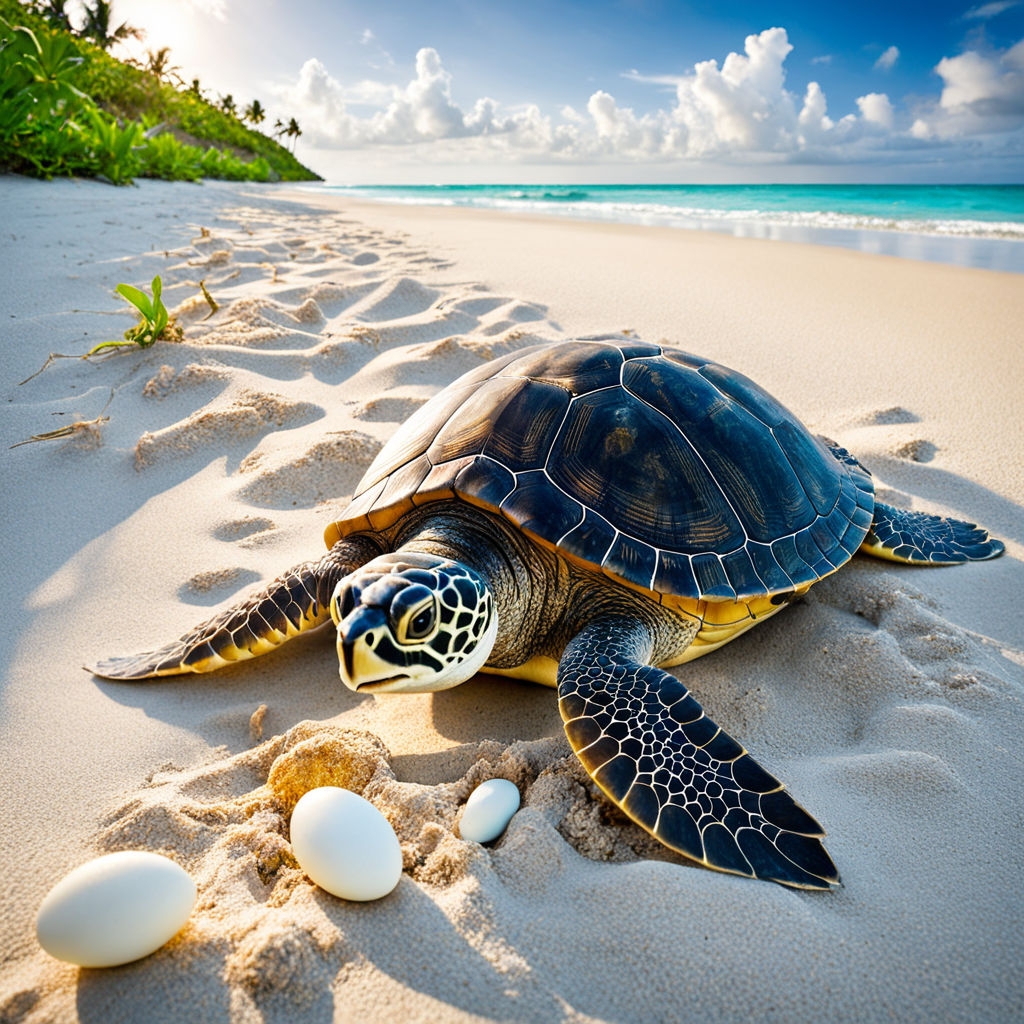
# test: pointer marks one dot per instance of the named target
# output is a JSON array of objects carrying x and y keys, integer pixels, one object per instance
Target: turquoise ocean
[{"x": 967, "y": 225}]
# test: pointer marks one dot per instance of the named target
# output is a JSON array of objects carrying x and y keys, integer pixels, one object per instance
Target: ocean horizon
[{"x": 965, "y": 225}]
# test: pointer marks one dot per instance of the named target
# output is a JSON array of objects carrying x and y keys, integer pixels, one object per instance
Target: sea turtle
[{"x": 587, "y": 514}]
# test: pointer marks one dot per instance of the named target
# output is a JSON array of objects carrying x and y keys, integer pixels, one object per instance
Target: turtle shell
[{"x": 668, "y": 472}]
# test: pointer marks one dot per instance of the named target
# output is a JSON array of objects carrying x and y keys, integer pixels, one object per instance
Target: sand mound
[
  {"x": 917, "y": 450},
  {"x": 214, "y": 585},
  {"x": 246, "y": 415},
  {"x": 328, "y": 469},
  {"x": 247, "y": 531}
]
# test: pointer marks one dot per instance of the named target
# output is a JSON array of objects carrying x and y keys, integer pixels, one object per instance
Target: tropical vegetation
[{"x": 67, "y": 107}]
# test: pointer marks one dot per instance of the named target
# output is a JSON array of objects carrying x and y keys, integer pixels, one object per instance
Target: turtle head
[{"x": 410, "y": 623}]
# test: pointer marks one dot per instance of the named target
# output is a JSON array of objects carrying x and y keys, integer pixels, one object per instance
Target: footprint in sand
[
  {"x": 213, "y": 586},
  {"x": 887, "y": 417},
  {"x": 247, "y": 532},
  {"x": 326, "y": 470},
  {"x": 220, "y": 425},
  {"x": 363, "y": 259},
  {"x": 395, "y": 299},
  {"x": 916, "y": 451},
  {"x": 389, "y": 409}
]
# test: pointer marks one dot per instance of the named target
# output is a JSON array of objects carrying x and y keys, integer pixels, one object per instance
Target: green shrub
[
  {"x": 163, "y": 156},
  {"x": 115, "y": 150},
  {"x": 68, "y": 107}
]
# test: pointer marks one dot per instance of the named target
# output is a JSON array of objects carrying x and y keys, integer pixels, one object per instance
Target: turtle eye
[
  {"x": 418, "y": 623},
  {"x": 343, "y": 604}
]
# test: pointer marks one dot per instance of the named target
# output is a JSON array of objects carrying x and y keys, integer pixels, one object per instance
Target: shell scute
[
  {"x": 576, "y": 366},
  {"x": 767, "y": 568},
  {"x": 468, "y": 426},
  {"x": 740, "y": 572},
  {"x": 522, "y": 433},
  {"x": 631, "y": 559},
  {"x": 711, "y": 578},
  {"x": 819, "y": 472},
  {"x": 675, "y": 575},
  {"x": 591, "y": 539},
  {"x": 539, "y": 507},
  {"x": 720, "y": 430},
  {"x": 485, "y": 483},
  {"x": 631, "y": 464}
]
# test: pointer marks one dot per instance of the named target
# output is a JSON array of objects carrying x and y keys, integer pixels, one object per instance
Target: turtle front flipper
[
  {"x": 649, "y": 746},
  {"x": 918, "y": 538},
  {"x": 295, "y": 602}
]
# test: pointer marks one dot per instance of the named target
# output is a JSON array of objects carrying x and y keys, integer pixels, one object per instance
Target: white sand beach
[{"x": 890, "y": 700}]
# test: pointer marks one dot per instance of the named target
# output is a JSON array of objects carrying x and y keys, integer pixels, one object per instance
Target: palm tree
[
  {"x": 279, "y": 127},
  {"x": 294, "y": 131},
  {"x": 196, "y": 89},
  {"x": 97, "y": 26},
  {"x": 227, "y": 104},
  {"x": 158, "y": 63},
  {"x": 254, "y": 113}
]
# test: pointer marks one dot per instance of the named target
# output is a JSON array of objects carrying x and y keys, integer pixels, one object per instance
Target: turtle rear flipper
[
  {"x": 649, "y": 746},
  {"x": 918, "y": 538},
  {"x": 297, "y": 601}
]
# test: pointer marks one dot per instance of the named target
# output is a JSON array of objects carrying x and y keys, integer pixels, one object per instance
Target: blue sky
[{"x": 634, "y": 90}]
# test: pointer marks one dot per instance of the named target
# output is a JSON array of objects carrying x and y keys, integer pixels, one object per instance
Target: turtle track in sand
[{"x": 310, "y": 313}]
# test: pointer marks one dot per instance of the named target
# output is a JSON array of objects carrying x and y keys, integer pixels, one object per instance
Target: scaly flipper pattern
[
  {"x": 922, "y": 539},
  {"x": 649, "y": 746},
  {"x": 296, "y": 601}
]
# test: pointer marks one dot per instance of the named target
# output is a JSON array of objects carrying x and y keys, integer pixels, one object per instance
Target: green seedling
[
  {"x": 155, "y": 319},
  {"x": 156, "y": 324}
]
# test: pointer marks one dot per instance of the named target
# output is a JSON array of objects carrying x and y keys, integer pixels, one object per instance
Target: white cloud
[
  {"x": 740, "y": 111},
  {"x": 422, "y": 111},
  {"x": 876, "y": 109},
  {"x": 888, "y": 59},
  {"x": 825, "y": 58},
  {"x": 983, "y": 12},
  {"x": 981, "y": 95}
]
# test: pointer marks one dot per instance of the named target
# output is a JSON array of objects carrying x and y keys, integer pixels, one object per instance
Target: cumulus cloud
[
  {"x": 981, "y": 94},
  {"x": 876, "y": 109},
  {"x": 738, "y": 110},
  {"x": 888, "y": 59},
  {"x": 422, "y": 111}
]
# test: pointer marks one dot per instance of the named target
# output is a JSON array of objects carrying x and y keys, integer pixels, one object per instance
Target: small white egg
[
  {"x": 345, "y": 845},
  {"x": 488, "y": 810},
  {"x": 115, "y": 909}
]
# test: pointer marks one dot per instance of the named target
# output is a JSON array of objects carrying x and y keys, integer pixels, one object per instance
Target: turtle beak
[{"x": 360, "y": 667}]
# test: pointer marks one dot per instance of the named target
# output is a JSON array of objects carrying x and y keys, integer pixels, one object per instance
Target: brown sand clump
[
  {"x": 347, "y": 758},
  {"x": 230, "y": 577},
  {"x": 246, "y": 531}
]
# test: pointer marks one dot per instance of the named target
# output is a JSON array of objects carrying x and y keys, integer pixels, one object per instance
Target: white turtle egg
[
  {"x": 115, "y": 909},
  {"x": 345, "y": 845},
  {"x": 488, "y": 810}
]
